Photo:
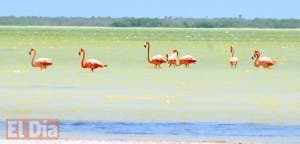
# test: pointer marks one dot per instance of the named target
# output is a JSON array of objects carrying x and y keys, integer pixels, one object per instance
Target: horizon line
[{"x": 165, "y": 17}]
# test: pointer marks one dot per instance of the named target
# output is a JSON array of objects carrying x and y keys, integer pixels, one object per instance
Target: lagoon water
[
  {"x": 166, "y": 131},
  {"x": 131, "y": 90}
]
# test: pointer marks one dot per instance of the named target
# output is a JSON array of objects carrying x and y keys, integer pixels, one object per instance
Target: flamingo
[
  {"x": 172, "y": 58},
  {"x": 233, "y": 60},
  {"x": 90, "y": 63},
  {"x": 157, "y": 60},
  {"x": 186, "y": 60},
  {"x": 42, "y": 63},
  {"x": 266, "y": 62}
]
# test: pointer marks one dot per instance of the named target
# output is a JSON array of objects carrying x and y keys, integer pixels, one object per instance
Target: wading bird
[
  {"x": 172, "y": 58},
  {"x": 90, "y": 63},
  {"x": 233, "y": 60},
  {"x": 265, "y": 62},
  {"x": 42, "y": 63},
  {"x": 186, "y": 60},
  {"x": 157, "y": 60}
]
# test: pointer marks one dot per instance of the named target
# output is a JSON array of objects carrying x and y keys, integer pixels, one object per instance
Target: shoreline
[{"x": 149, "y": 28}]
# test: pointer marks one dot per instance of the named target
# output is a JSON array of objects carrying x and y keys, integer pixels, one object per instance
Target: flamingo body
[
  {"x": 93, "y": 64},
  {"x": 266, "y": 62},
  {"x": 233, "y": 60},
  {"x": 187, "y": 60},
  {"x": 157, "y": 59},
  {"x": 43, "y": 62}
]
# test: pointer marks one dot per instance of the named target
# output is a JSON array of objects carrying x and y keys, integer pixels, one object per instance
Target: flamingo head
[
  {"x": 256, "y": 54},
  {"x": 175, "y": 51},
  {"x": 81, "y": 50},
  {"x": 31, "y": 49},
  {"x": 146, "y": 44}
]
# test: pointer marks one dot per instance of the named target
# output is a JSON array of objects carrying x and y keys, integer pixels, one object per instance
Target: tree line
[{"x": 177, "y": 22}]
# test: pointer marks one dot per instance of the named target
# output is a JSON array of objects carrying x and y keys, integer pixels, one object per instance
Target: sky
[{"x": 153, "y": 8}]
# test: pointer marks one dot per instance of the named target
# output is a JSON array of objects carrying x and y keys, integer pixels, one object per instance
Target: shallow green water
[{"x": 130, "y": 89}]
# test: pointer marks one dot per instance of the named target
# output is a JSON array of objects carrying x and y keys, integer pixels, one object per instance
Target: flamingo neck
[
  {"x": 256, "y": 61},
  {"x": 177, "y": 64},
  {"x": 232, "y": 53},
  {"x": 83, "y": 60},
  {"x": 33, "y": 58},
  {"x": 148, "y": 53}
]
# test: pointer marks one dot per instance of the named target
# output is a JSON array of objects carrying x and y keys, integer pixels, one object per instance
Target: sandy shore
[{"x": 103, "y": 142}]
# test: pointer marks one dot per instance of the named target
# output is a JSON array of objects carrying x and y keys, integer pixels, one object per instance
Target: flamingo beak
[
  {"x": 252, "y": 58},
  {"x": 30, "y": 53},
  {"x": 79, "y": 53},
  {"x": 145, "y": 46}
]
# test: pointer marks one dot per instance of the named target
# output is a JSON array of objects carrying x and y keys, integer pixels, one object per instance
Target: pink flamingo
[
  {"x": 266, "y": 62},
  {"x": 172, "y": 58},
  {"x": 186, "y": 60},
  {"x": 90, "y": 63},
  {"x": 233, "y": 60},
  {"x": 42, "y": 63},
  {"x": 157, "y": 60}
]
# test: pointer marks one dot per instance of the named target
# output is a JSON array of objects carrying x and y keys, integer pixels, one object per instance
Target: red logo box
[{"x": 32, "y": 129}]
